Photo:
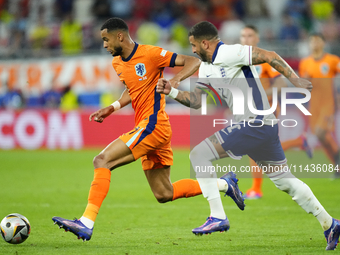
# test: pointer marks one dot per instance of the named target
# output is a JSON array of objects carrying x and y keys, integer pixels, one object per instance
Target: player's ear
[
  {"x": 120, "y": 36},
  {"x": 205, "y": 44}
]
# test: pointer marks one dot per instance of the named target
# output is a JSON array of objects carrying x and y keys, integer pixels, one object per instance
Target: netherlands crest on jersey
[
  {"x": 258, "y": 69},
  {"x": 140, "y": 69},
  {"x": 324, "y": 68}
]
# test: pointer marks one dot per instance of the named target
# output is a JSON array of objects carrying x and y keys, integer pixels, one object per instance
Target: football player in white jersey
[
  {"x": 270, "y": 78},
  {"x": 234, "y": 64}
]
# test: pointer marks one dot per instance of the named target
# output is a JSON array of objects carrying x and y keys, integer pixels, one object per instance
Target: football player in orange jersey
[
  {"x": 269, "y": 78},
  {"x": 321, "y": 67},
  {"x": 139, "y": 67}
]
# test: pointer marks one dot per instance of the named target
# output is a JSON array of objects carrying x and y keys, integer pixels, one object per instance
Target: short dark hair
[
  {"x": 317, "y": 35},
  {"x": 115, "y": 24},
  {"x": 204, "y": 30},
  {"x": 252, "y": 28}
]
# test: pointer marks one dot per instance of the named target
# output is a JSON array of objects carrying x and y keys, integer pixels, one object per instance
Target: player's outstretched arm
[
  {"x": 279, "y": 83},
  {"x": 190, "y": 66},
  {"x": 189, "y": 99},
  {"x": 101, "y": 114},
  {"x": 260, "y": 56},
  {"x": 124, "y": 99}
]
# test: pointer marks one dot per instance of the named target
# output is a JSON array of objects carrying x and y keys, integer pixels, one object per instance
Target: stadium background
[{"x": 54, "y": 70}]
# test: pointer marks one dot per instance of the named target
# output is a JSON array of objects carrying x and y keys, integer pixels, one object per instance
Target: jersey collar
[
  {"x": 132, "y": 53},
  {"x": 215, "y": 52}
]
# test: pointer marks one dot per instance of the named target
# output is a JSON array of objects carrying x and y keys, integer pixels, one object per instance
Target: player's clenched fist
[
  {"x": 101, "y": 114},
  {"x": 163, "y": 86},
  {"x": 302, "y": 83}
]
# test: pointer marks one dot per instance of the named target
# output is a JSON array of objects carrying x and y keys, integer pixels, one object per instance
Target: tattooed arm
[
  {"x": 189, "y": 99},
  {"x": 260, "y": 56}
]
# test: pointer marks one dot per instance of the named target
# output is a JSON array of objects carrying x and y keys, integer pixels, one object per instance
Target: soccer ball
[{"x": 15, "y": 228}]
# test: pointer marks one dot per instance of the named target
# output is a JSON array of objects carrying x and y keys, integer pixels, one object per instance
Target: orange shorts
[{"x": 151, "y": 142}]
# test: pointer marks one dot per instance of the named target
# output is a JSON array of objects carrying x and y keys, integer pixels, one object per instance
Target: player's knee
[
  {"x": 301, "y": 191},
  {"x": 285, "y": 183},
  {"x": 199, "y": 152},
  {"x": 163, "y": 197},
  {"x": 201, "y": 156},
  {"x": 193, "y": 153},
  {"x": 99, "y": 161},
  {"x": 291, "y": 185}
]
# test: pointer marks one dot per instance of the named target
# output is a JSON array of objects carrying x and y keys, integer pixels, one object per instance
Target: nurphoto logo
[{"x": 238, "y": 101}]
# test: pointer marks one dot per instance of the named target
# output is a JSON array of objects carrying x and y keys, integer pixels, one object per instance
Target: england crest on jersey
[{"x": 140, "y": 69}]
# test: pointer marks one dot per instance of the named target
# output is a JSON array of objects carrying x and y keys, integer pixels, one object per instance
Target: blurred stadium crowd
[
  {"x": 39, "y": 29},
  {"x": 54, "y": 27}
]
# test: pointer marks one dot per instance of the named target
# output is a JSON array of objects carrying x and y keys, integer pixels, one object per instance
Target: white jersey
[{"x": 231, "y": 74}]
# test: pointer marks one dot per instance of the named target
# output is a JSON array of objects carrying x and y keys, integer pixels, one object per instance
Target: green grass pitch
[{"x": 42, "y": 184}]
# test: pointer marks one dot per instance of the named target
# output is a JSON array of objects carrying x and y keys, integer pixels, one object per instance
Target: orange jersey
[
  {"x": 140, "y": 73},
  {"x": 321, "y": 72},
  {"x": 326, "y": 67},
  {"x": 266, "y": 73}
]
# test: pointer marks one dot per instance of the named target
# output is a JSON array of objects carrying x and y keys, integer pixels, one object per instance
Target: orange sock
[
  {"x": 292, "y": 143},
  {"x": 257, "y": 177},
  {"x": 98, "y": 191},
  {"x": 186, "y": 188},
  {"x": 330, "y": 146}
]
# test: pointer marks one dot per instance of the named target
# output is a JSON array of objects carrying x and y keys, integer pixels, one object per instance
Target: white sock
[
  {"x": 222, "y": 185},
  {"x": 216, "y": 208},
  {"x": 211, "y": 193},
  {"x": 201, "y": 157},
  {"x": 325, "y": 219},
  {"x": 302, "y": 195},
  {"x": 87, "y": 222}
]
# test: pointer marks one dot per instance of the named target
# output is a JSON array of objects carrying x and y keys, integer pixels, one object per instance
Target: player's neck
[
  {"x": 212, "y": 49},
  {"x": 318, "y": 54},
  {"x": 128, "y": 48}
]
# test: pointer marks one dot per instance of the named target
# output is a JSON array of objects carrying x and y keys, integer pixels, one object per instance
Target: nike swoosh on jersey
[{"x": 120, "y": 74}]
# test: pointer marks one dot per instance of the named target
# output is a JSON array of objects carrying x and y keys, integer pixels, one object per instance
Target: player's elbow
[
  {"x": 196, "y": 106},
  {"x": 193, "y": 61},
  {"x": 272, "y": 55},
  {"x": 196, "y": 99},
  {"x": 267, "y": 56},
  {"x": 197, "y": 62}
]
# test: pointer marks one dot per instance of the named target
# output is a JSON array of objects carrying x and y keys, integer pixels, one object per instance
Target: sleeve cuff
[
  {"x": 250, "y": 55},
  {"x": 173, "y": 59}
]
